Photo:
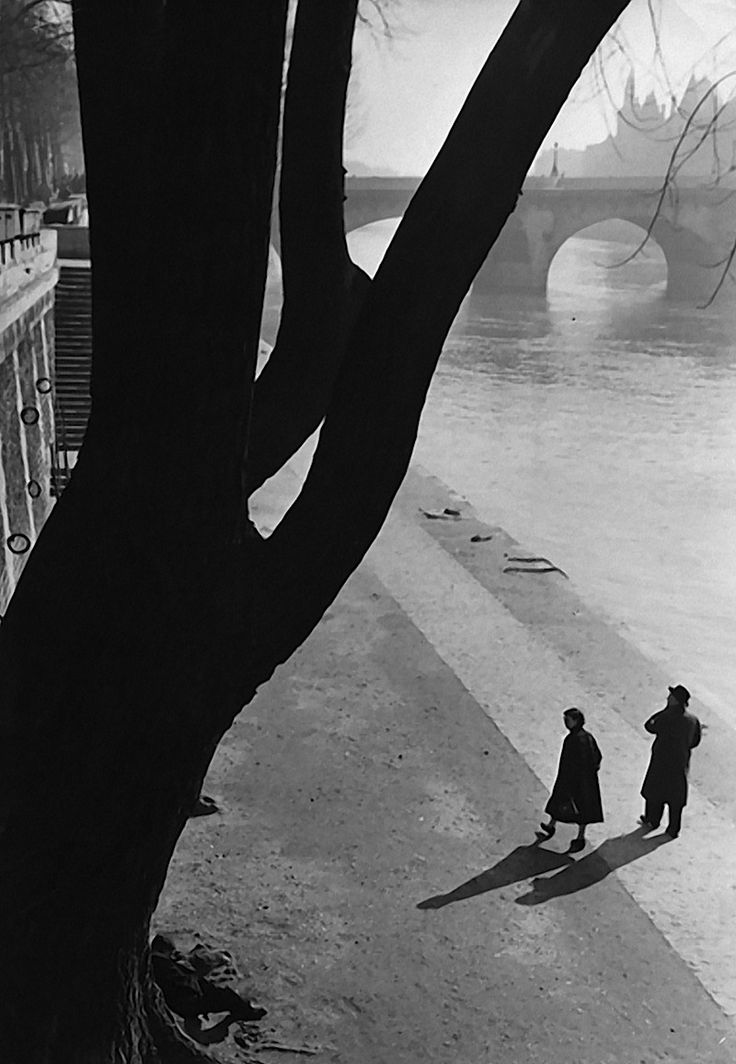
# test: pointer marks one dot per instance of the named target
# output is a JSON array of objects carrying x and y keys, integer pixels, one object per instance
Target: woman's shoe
[
  {"x": 577, "y": 845},
  {"x": 548, "y": 830}
]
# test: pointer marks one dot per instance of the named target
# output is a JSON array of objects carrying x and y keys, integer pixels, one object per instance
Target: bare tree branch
[
  {"x": 721, "y": 281},
  {"x": 668, "y": 184}
]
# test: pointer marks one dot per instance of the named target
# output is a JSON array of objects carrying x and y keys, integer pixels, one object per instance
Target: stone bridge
[{"x": 695, "y": 229}]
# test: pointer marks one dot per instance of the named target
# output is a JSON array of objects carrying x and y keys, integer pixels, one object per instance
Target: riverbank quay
[{"x": 402, "y": 758}]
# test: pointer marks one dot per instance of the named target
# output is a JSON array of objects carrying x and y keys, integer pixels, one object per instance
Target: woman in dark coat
[{"x": 576, "y": 796}]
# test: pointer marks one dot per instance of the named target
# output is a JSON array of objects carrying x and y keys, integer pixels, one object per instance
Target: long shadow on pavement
[
  {"x": 611, "y": 854},
  {"x": 522, "y": 863}
]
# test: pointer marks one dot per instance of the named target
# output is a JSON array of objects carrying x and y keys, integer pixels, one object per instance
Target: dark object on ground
[
  {"x": 204, "y": 806},
  {"x": 480, "y": 539},
  {"x": 251, "y": 1041},
  {"x": 577, "y": 845},
  {"x": 187, "y": 981},
  {"x": 442, "y": 515},
  {"x": 533, "y": 565}
]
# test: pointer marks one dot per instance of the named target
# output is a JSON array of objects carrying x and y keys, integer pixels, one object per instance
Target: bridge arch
[
  {"x": 522, "y": 256},
  {"x": 623, "y": 264},
  {"x": 691, "y": 262}
]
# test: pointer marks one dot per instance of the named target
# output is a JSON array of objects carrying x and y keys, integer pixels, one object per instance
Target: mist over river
[{"x": 597, "y": 425}]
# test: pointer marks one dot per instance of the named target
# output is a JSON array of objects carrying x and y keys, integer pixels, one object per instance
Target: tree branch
[
  {"x": 322, "y": 287},
  {"x": 673, "y": 167},
  {"x": 454, "y": 218}
]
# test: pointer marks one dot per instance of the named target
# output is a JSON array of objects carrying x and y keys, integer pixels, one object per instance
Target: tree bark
[
  {"x": 119, "y": 68},
  {"x": 121, "y": 650},
  {"x": 323, "y": 289}
]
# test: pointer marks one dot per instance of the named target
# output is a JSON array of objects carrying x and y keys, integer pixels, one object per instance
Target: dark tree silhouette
[{"x": 150, "y": 609}]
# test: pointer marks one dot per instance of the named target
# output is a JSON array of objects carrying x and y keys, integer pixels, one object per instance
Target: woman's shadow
[
  {"x": 526, "y": 862},
  {"x": 610, "y": 855},
  {"x": 521, "y": 863}
]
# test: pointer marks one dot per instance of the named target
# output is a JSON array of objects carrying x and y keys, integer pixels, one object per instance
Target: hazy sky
[{"x": 408, "y": 90}]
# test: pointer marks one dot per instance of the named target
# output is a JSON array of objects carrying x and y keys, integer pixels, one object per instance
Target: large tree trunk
[
  {"x": 147, "y": 615},
  {"x": 121, "y": 654}
]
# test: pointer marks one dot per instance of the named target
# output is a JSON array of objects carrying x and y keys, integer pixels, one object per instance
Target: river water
[{"x": 597, "y": 426}]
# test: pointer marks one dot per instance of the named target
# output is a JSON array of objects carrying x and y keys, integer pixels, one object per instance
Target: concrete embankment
[{"x": 404, "y": 754}]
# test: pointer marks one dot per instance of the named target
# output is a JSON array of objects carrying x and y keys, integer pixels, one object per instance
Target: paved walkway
[
  {"x": 375, "y": 869},
  {"x": 689, "y": 889}
]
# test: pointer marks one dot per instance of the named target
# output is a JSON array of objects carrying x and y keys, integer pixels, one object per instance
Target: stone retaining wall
[{"x": 26, "y": 422}]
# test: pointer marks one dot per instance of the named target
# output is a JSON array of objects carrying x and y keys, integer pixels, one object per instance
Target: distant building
[{"x": 645, "y": 135}]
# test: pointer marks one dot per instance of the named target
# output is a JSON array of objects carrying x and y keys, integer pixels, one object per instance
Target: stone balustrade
[{"x": 28, "y": 274}]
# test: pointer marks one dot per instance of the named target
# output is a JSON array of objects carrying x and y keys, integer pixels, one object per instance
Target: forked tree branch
[
  {"x": 322, "y": 287},
  {"x": 453, "y": 220}
]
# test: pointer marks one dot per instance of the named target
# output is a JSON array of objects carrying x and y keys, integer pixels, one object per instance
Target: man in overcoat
[{"x": 676, "y": 733}]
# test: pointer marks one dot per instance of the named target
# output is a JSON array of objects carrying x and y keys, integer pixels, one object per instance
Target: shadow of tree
[
  {"x": 521, "y": 863},
  {"x": 610, "y": 855}
]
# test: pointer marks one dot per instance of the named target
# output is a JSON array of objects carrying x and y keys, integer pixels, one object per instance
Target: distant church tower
[{"x": 645, "y": 134}]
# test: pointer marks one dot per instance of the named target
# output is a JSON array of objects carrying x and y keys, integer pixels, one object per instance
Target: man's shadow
[
  {"x": 610, "y": 855},
  {"x": 522, "y": 863}
]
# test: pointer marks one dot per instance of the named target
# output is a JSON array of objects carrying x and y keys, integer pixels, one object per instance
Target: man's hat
[{"x": 681, "y": 694}]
